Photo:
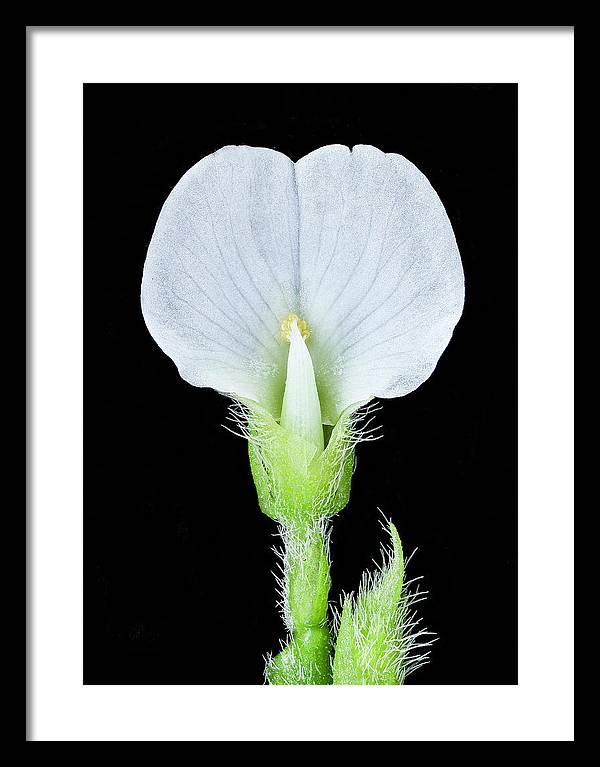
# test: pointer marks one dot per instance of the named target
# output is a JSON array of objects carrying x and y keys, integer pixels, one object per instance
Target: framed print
[{"x": 293, "y": 334}]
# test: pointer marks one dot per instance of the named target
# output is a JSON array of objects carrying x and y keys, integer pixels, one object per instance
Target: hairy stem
[{"x": 306, "y": 583}]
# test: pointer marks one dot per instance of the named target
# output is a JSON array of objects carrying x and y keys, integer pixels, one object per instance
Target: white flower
[{"x": 345, "y": 261}]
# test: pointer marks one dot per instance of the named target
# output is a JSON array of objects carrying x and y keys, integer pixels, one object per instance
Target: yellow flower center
[{"x": 288, "y": 324}]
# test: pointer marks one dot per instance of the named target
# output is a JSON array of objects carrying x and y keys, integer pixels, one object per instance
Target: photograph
[{"x": 300, "y": 384}]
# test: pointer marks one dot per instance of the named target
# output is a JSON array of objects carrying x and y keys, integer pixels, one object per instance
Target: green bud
[{"x": 369, "y": 647}]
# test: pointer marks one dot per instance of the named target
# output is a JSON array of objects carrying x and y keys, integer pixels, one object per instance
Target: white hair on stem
[{"x": 293, "y": 549}]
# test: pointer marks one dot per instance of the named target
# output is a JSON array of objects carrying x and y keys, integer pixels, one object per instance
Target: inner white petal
[{"x": 301, "y": 409}]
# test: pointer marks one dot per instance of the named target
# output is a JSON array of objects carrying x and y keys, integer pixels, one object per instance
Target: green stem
[{"x": 306, "y": 658}]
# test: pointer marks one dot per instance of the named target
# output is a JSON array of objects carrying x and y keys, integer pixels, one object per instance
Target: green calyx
[{"x": 297, "y": 484}]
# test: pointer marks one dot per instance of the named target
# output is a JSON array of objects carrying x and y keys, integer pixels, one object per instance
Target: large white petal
[
  {"x": 382, "y": 284},
  {"x": 222, "y": 272}
]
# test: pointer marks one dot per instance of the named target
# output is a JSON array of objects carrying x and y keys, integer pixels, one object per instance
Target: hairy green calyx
[{"x": 296, "y": 484}]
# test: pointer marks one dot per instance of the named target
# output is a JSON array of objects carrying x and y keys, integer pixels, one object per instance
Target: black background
[{"x": 177, "y": 556}]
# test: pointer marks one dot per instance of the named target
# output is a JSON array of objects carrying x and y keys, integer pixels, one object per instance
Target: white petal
[
  {"x": 222, "y": 272},
  {"x": 301, "y": 411},
  {"x": 382, "y": 284}
]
